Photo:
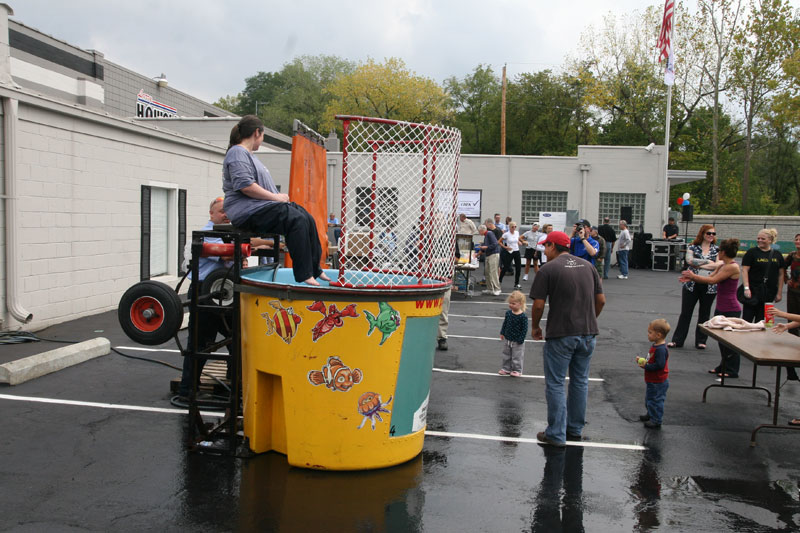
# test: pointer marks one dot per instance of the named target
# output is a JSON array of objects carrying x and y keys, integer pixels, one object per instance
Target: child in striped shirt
[{"x": 513, "y": 332}]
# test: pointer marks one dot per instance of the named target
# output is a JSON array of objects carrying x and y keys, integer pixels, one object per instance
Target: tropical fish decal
[
  {"x": 336, "y": 375},
  {"x": 371, "y": 407},
  {"x": 283, "y": 321},
  {"x": 332, "y": 318},
  {"x": 387, "y": 321}
]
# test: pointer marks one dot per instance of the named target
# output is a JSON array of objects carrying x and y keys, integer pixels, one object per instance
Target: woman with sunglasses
[
  {"x": 726, "y": 277},
  {"x": 701, "y": 258}
]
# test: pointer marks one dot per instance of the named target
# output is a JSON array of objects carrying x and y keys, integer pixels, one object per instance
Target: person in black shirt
[
  {"x": 607, "y": 232},
  {"x": 671, "y": 230},
  {"x": 763, "y": 272}
]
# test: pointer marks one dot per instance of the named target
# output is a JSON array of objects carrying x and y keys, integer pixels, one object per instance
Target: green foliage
[
  {"x": 297, "y": 91},
  {"x": 386, "y": 90},
  {"x": 546, "y": 115},
  {"x": 475, "y": 100},
  {"x": 229, "y": 103}
]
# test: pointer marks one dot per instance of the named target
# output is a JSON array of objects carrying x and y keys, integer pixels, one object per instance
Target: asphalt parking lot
[{"x": 98, "y": 446}]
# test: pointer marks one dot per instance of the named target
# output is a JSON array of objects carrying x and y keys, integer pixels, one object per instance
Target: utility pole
[{"x": 503, "y": 116}]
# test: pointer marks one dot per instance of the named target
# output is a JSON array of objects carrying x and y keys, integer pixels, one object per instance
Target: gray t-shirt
[
  {"x": 570, "y": 285},
  {"x": 240, "y": 169}
]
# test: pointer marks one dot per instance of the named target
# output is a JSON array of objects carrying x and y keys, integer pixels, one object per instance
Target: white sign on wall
[
  {"x": 146, "y": 107},
  {"x": 469, "y": 202},
  {"x": 558, "y": 220}
]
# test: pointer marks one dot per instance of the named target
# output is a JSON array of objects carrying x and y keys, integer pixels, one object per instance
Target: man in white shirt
[{"x": 466, "y": 226}]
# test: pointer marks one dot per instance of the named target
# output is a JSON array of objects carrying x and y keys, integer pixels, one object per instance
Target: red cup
[{"x": 769, "y": 318}]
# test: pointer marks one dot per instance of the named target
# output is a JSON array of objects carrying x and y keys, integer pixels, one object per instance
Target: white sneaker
[
  {"x": 622, "y": 277},
  {"x": 524, "y": 277},
  {"x": 496, "y": 293}
]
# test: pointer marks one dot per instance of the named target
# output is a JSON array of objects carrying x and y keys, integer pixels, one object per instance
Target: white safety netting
[{"x": 399, "y": 199}]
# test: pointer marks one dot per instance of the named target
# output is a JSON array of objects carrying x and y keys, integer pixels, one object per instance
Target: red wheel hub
[{"x": 147, "y": 314}]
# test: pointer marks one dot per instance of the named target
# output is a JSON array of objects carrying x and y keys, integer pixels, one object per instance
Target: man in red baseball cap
[{"x": 575, "y": 293}]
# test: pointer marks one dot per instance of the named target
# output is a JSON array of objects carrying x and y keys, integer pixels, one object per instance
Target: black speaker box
[
  {"x": 640, "y": 256},
  {"x": 688, "y": 213},
  {"x": 626, "y": 214}
]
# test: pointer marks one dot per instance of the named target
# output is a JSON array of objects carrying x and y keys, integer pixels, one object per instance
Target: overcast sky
[{"x": 207, "y": 48}]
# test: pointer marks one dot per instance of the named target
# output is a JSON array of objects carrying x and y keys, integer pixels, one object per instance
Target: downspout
[
  {"x": 13, "y": 304},
  {"x": 10, "y": 112},
  {"x": 585, "y": 168}
]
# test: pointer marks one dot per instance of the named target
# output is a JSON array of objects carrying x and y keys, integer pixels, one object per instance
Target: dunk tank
[{"x": 338, "y": 376}]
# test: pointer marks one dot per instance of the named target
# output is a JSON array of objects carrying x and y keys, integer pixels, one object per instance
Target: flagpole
[
  {"x": 666, "y": 47},
  {"x": 665, "y": 211}
]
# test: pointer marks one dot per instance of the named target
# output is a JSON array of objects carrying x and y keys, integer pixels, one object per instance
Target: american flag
[{"x": 665, "y": 42}]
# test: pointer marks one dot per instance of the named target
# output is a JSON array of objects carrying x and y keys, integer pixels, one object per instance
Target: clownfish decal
[
  {"x": 283, "y": 321},
  {"x": 332, "y": 318},
  {"x": 371, "y": 407},
  {"x": 336, "y": 375}
]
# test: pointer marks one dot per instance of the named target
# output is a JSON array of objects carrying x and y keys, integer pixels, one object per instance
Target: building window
[
  {"x": 163, "y": 230},
  {"x": 534, "y": 202},
  {"x": 386, "y": 202},
  {"x": 612, "y": 202}
]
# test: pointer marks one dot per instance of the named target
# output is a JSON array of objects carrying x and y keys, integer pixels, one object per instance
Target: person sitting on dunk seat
[{"x": 253, "y": 203}]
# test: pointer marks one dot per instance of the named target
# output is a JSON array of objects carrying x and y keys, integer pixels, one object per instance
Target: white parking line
[
  {"x": 123, "y": 407},
  {"x": 495, "y": 374},
  {"x": 119, "y": 406},
  {"x": 584, "y": 444}
]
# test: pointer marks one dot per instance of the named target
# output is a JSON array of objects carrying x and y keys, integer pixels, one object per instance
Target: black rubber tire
[
  {"x": 219, "y": 282},
  {"x": 152, "y": 296}
]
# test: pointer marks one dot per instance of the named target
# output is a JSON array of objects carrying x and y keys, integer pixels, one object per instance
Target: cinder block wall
[
  {"x": 745, "y": 228},
  {"x": 79, "y": 179}
]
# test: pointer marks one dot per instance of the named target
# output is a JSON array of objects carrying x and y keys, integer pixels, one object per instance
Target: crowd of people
[
  {"x": 711, "y": 276},
  {"x": 592, "y": 243}
]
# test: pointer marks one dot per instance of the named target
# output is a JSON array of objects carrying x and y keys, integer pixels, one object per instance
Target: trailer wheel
[
  {"x": 150, "y": 313},
  {"x": 220, "y": 286}
]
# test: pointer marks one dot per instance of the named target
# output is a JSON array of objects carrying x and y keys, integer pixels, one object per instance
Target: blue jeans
[
  {"x": 566, "y": 413},
  {"x": 623, "y": 262},
  {"x": 607, "y": 263},
  {"x": 654, "y": 400}
]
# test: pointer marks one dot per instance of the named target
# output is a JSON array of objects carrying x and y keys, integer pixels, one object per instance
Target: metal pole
[
  {"x": 665, "y": 208},
  {"x": 503, "y": 116}
]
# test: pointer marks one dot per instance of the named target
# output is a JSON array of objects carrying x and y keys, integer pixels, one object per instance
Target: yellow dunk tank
[
  {"x": 336, "y": 382},
  {"x": 338, "y": 376}
]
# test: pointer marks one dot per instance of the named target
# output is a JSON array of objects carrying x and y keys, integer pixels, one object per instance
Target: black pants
[
  {"x": 730, "y": 358},
  {"x": 300, "y": 230},
  {"x": 507, "y": 258},
  {"x": 505, "y": 262},
  {"x": 689, "y": 300}
]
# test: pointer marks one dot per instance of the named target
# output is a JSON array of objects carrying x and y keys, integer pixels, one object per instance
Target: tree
[
  {"x": 229, "y": 103},
  {"x": 546, "y": 114},
  {"x": 786, "y": 107},
  {"x": 722, "y": 17},
  {"x": 386, "y": 90},
  {"x": 297, "y": 91},
  {"x": 623, "y": 80},
  {"x": 476, "y": 102},
  {"x": 760, "y": 48},
  {"x": 618, "y": 72}
]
